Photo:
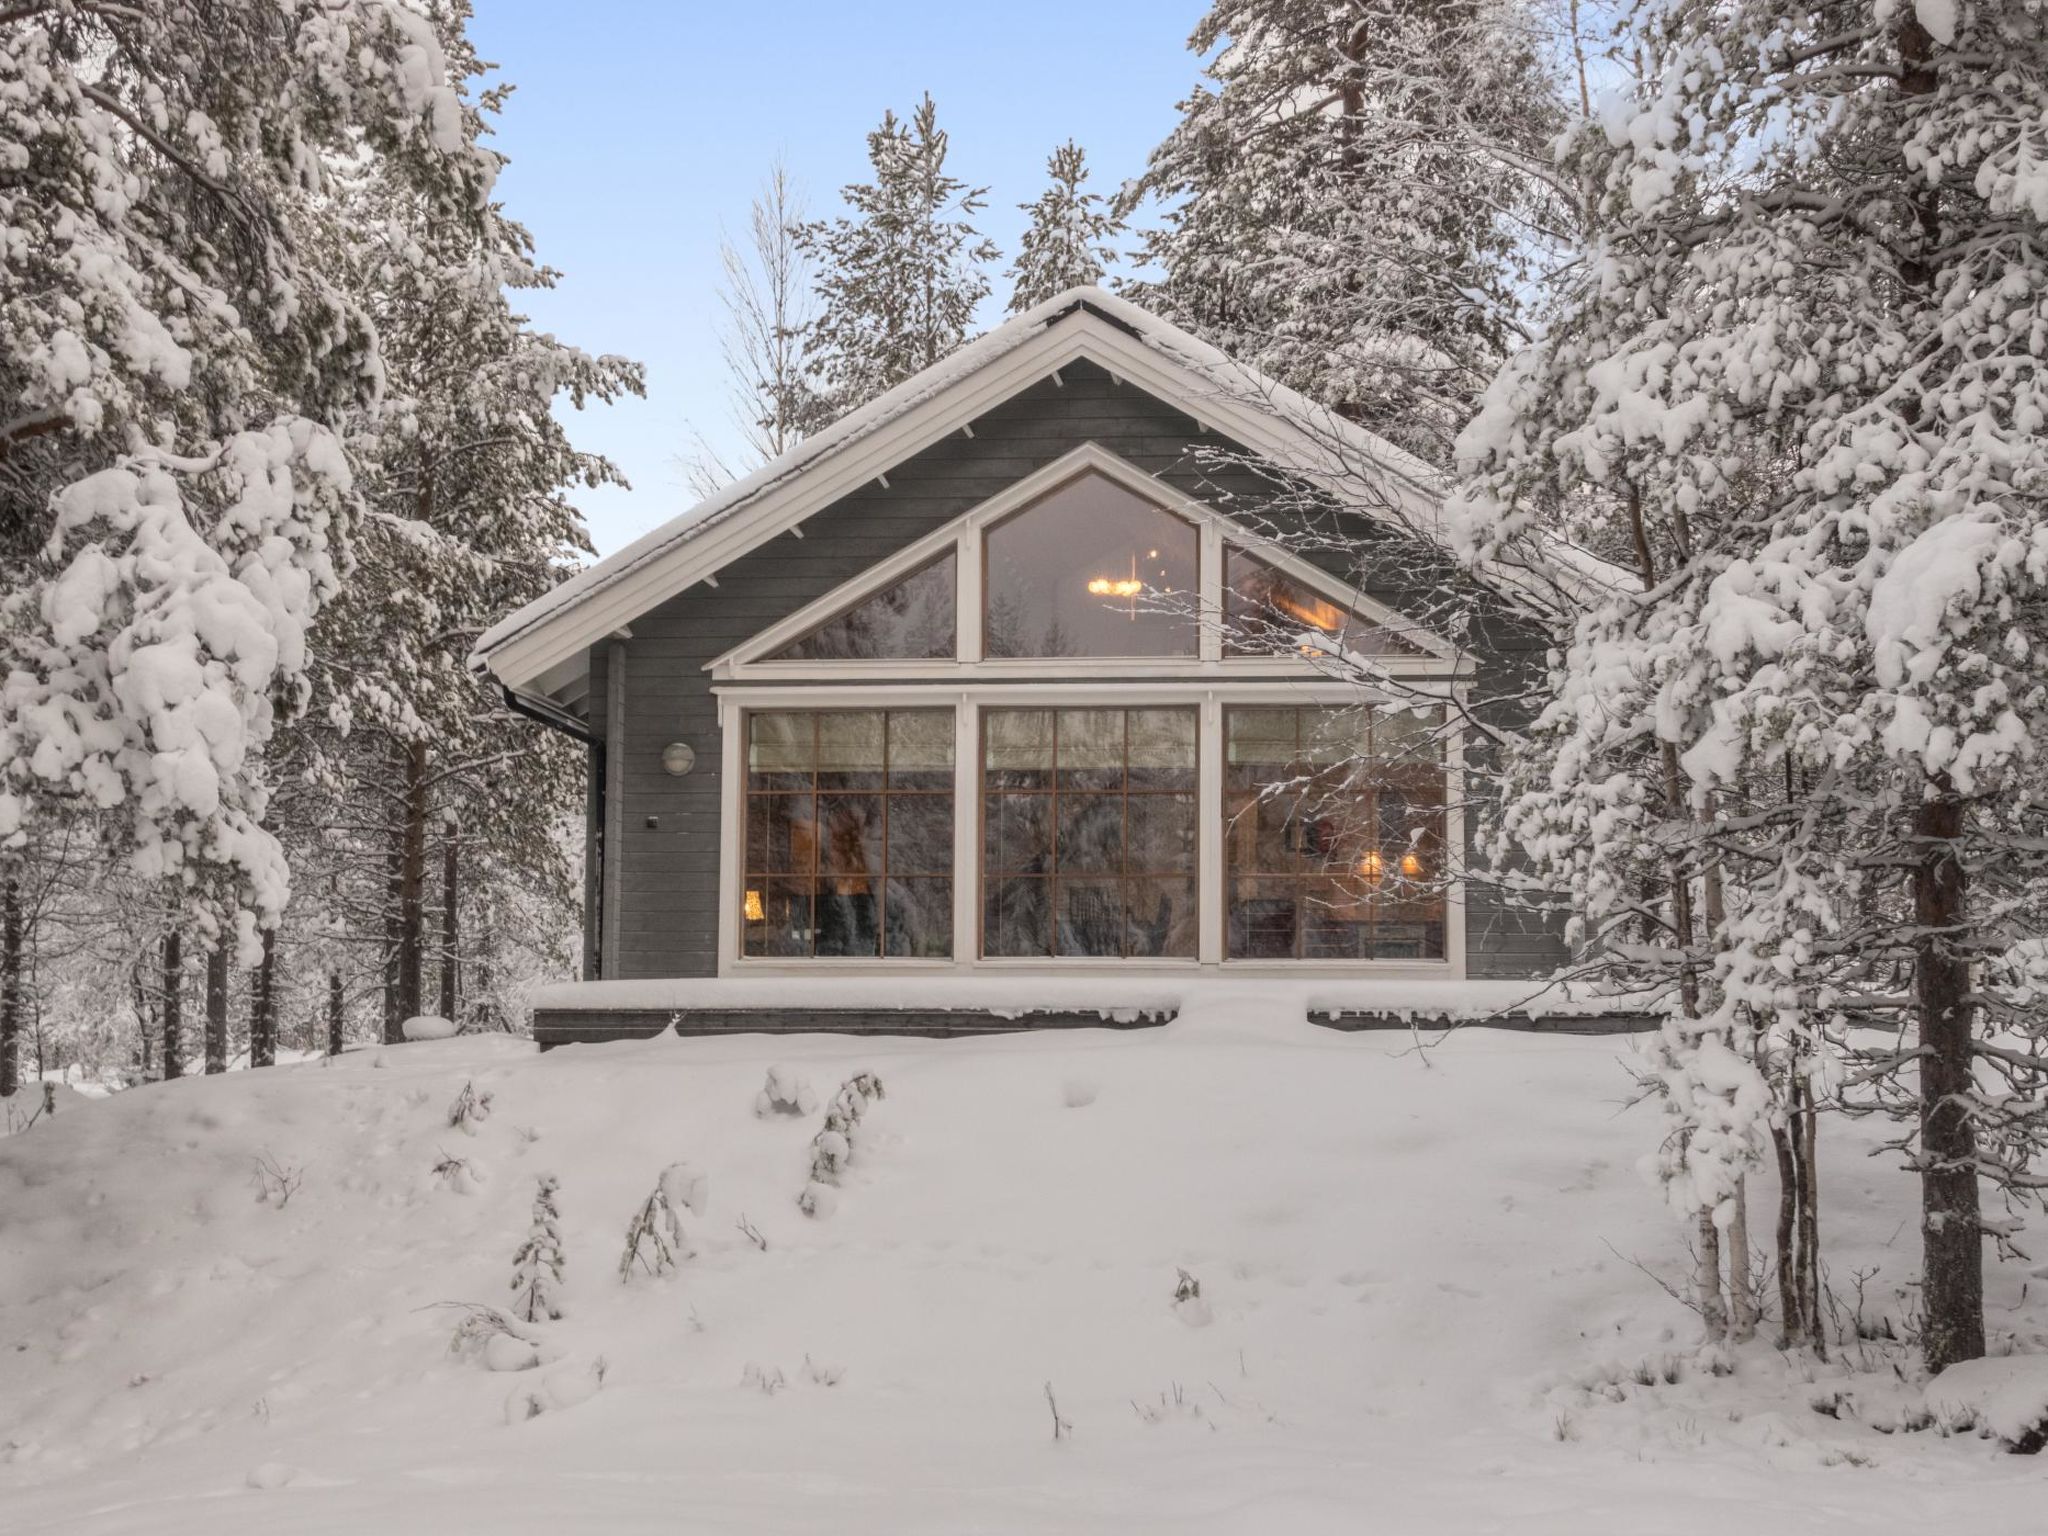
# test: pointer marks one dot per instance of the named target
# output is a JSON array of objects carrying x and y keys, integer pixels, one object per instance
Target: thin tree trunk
[
  {"x": 10, "y": 985},
  {"x": 487, "y": 953},
  {"x": 451, "y": 924},
  {"x": 263, "y": 1006},
  {"x": 412, "y": 882},
  {"x": 217, "y": 1008},
  {"x": 1707, "y": 1277},
  {"x": 1791, "y": 1303},
  {"x": 334, "y": 1013},
  {"x": 1809, "y": 1217},
  {"x": 174, "y": 1003},
  {"x": 394, "y": 866},
  {"x": 145, "y": 1025}
]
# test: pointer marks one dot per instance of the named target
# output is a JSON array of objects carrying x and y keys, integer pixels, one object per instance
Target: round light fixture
[{"x": 677, "y": 759}]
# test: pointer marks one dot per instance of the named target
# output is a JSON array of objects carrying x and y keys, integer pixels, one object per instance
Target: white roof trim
[{"x": 1280, "y": 425}]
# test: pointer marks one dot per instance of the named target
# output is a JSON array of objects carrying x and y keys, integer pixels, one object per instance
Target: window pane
[
  {"x": 849, "y": 749},
  {"x": 1268, "y": 613},
  {"x": 775, "y": 917},
  {"x": 1017, "y": 834},
  {"x": 1336, "y": 920},
  {"x": 921, "y": 749},
  {"x": 1162, "y": 748},
  {"x": 849, "y": 919},
  {"x": 912, "y": 621},
  {"x": 1160, "y": 835},
  {"x": 1091, "y": 917},
  {"x": 781, "y": 750},
  {"x": 1408, "y": 736},
  {"x": 1262, "y": 833},
  {"x": 1260, "y": 746},
  {"x": 920, "y": 834},
  {"x": 781, "y": 834},
  {"x": 1091, "y": 834},
  {"x": 1017, "y": 917},
  {"x": 918, "y": 922},
  {"x": 1018, "y": 748},
  {"x": 1091, "y": 749},
  {"x": 850, "y": 834},
  {"x": 1159, "y": 918},
  {"x": 1263, "y": 918},
  {"x": 1091, "y": 569}
]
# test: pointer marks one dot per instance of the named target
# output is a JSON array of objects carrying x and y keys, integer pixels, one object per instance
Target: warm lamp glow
[
  {"x": 755, "y": 914},
  {"x": 1312, "y": 611},
  {"x": 1371, "y": 865},
  {"x": 1104, "y": 586},
  {"x": 1410, "y": 864}
]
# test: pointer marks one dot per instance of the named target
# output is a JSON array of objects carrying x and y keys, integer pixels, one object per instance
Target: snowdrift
[{"x": 1418, "y": 1309}]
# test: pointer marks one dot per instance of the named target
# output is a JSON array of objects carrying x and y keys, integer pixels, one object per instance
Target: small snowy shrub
[
  {"x": 1188, "y": 1304},
  {"x": 461, "y": 1174},
  {"x": 427, "y": 1026},
  {"x": 784, "y": 1094},
  {"x": 654, "y": 1238},
  {"x": 275, "y": 1182},
  {"x": 767, "y": 1382},
  {"x": 832, "y": 1147},
  {"x": 537, "y": 1266},
  {"x": 469, "y": 1110},
  {"x": 476, "y": 1336}
]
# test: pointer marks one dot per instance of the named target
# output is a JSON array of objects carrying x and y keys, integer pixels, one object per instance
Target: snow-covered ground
[{"x": 1418, "y": 1312}]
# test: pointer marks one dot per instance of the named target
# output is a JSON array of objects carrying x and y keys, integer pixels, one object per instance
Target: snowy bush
[
  {"x": 784, "y": 1094},
  {"x": 469, "y": 1110},
  {"x": 654, "y": 1237},
  {"x": 461, "y": 1174},
  {"x": 477, "y": 1336},
  {"x": 427, "y": 1026},
  {"x": 832, "y": 1147},
  {"x": 537, "y": 1266}
]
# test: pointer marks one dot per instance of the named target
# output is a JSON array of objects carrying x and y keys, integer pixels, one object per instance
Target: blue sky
[{"x": 640, "y": 128}]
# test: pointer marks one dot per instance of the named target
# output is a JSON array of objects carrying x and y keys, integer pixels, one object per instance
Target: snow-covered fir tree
[
  {"x": 1068, "y": 241},
  {"x": 899, "y": 275},
  {"x": 537, "y": 1266},
  {"x": 1357, "y": 197},
  {"x": 1797, "y": 393}
]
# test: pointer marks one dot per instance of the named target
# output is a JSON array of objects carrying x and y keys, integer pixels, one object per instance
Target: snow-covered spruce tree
[
  {"x": 537, "y": 1266},
  {"x": 1067, "y": 244},
  {"x": 899, "y": 276},
  {"x": 832, "y": 1148},
  {"x": 1356, "y": 199},
  {"x": 176, "y": 364},
  {"x": 419, "y": 788},
  {"x": 1801, "y": 380}
]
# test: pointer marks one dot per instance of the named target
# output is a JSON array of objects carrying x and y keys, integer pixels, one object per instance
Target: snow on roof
[{"x": 1233, "y": 380}]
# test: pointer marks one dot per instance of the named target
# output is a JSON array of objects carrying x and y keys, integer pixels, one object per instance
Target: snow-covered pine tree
[
  {"x": 537, "y": 1266},
  {"x": 898, "y": 278},
  {"x": 1357, "y": 198},
  {"x": 176, "y": 363},
  {"x": 1067, "y": 244},
  {"x": 1798, "y": 389}
]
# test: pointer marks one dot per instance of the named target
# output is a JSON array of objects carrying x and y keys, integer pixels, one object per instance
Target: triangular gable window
[
  {"x": 1268, "y": 613},
  {"x": 910, "y": 621}
]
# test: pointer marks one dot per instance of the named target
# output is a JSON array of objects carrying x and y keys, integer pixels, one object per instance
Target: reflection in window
[
  {"x": 911, "y": 621},
  {"x": 849, "y": 835},
  {"x": 1334, "y": 834},
  {"x": 1091, "y": 569},
  {"x": 1088, "y": 832},
  {"x": 1268, "y": 613}
]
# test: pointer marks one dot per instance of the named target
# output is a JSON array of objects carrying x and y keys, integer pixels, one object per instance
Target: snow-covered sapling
[
  {"x": 470, "y": 1109},
  {"x": 537, "y": 1267},
  {"x": 784, "y": 1094},
  {"x": 276, "y": 1182},
  {"x": 493, "y": 1337},
  {"x": 460, "y": 1174},
  {"x": 1188, "y": 1304},
  {"x": 654, "y": 1238},
  {"x": 832, "y": 1147}
]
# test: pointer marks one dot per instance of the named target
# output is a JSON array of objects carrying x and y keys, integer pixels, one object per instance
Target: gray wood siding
[{"x": 664, "y": 867}]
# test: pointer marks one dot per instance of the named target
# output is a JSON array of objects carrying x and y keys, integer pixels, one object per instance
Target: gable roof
[{"x": 549, "y": 634}]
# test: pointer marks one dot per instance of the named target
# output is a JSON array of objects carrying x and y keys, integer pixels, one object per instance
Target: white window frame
[
  {"x": 964, "y": 535},
  {"x": 1208, "y": 697}
]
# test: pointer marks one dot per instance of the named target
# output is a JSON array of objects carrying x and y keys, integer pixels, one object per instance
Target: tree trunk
[
  {"x": 263, "y": 1006},
  {"x": 174, "y": 1003},
  {"x": 217, "y": 1008},
  {"x": 334, "y": 1013},
  {"x": 451, "y": 924},
  {"x": 487, "y": 951},
  {"x": 412, "y": 883},
  {"x": 1707, "y": 1278},
  {"x": 1791, "y": 1302},
  {"x": 394, "y": 868},
  {"x": 1951, "y": 1237},
  {"x": 10, "y": 985},
  {"x": 144, "y": 1024}
]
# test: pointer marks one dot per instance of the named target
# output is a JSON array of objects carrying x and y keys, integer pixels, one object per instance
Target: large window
[
  {"x": 1334, "y": 834},
  {"x": 1091, "y": 569},
  {"x": 1088, "y": 832},
  {"x": 849, "y": 838},
  {"x": 910, "y": 621}
]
